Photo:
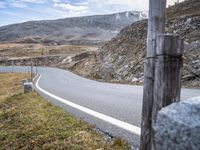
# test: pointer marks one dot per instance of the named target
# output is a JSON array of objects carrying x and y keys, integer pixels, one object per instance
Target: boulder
[
  {"x": 28, "y": 87},
  {"x": 178, "y": 126}
]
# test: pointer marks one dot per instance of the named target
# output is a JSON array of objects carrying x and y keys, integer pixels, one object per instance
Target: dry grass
[
  {"x": 14, "y": 50},
  {"x": 10, "y": 84},
  {"x": 29, "y": 122}
]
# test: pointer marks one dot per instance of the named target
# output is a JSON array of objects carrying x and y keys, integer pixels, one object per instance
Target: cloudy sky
[{"x": 16, "y": 11}]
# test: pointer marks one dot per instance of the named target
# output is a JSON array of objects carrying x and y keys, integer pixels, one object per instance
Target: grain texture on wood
[
  {"x": 156, "y": 25},
  {"x": 167, "y": 84},
  {"x": 147, "y": 104}
]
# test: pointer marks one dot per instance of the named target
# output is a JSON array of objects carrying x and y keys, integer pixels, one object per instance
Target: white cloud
[
  {"x": 117, "y": 5},
  {"x": 121, "y": 5},
  {"x": 56, "y": 1},
  {"x": 82, "y": 3},
  {"x": 72, "y": 10},
  {"x": 17, "y": 4},
  {"x": 34, "y": 1},
  {"x": 54, "y": 9},
  {"x": 172, "y": 2},
  {"x": 70, "y": 7},
  {"x": 2, "y": 5},
  {"x": 49, "y": 13},
  {"x": 93, "y": 7}
]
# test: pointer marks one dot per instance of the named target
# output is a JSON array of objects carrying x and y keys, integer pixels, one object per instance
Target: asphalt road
[{"x": 119, "y": 104}]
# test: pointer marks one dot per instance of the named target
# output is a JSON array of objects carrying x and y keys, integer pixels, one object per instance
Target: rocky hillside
[
  {"x": 76, "y": 30},
  {"x": 121, "y": 59}
]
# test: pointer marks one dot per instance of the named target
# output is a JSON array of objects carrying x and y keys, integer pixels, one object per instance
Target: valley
[
  {"x": 119, "y": 58},
  {"x": 92, "y": 68}
]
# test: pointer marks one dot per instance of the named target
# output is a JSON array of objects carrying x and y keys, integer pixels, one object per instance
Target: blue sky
[{"x": 17, "y": 11}]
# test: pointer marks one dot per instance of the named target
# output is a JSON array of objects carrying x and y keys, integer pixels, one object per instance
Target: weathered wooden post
[
  {"x": 43, "y": 57},
  {"x": 36, "y": 69},
  {"x": 156, "y": 25},
  {"x": 31, "y": 69},
  {"x": 12, "y": 66},
  {"x": 167, "y": 84}
]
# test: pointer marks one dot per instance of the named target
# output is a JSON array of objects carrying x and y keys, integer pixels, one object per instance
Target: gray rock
[
  {"x": 24, "y": 81},
  {"x": 129, "y": 46},
  {"x": 28, "y": 87},
  {"x": 178, "y": 126}
]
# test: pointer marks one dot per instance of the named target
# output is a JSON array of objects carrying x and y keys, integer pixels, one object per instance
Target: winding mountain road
[{"x": 115, "y": 109}]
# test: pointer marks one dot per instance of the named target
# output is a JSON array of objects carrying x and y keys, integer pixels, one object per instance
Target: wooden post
[
  {"x": 36, "y": 69},
  {"x": 43, "y": 57},
  {"x": 167, "y": 84},
  {"x": 31, "y": 69},
  {"x": 156, "y": 25},
  {"x": 12, "y": 66}
]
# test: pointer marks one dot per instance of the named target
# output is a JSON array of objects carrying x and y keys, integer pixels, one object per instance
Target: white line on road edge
[
  {"x": 35, "y": 77},
  {"x": 116, "y": 122}
]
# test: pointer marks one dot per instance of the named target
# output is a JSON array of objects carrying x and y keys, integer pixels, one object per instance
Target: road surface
[{"x": 115, "y": 109}]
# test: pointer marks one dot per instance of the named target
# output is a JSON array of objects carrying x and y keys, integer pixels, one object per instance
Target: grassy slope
[{"x": 29, "y": 122}]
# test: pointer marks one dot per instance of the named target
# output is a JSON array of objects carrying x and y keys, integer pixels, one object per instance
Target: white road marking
[
  {"x": 35, "y": 77},
  {"x": 113, "y": 121}
]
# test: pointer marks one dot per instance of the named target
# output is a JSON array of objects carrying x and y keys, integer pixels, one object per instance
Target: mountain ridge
[{"x": 87, "y": 29}]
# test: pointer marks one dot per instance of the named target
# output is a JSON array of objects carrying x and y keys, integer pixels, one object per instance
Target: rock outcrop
[
  {"x": 178, "y": 126},
  {"x": 122, "y": 58}
]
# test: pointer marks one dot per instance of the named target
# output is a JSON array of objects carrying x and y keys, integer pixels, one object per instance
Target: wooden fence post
[
  {"x": 156, "y": 25},
  {"x": 167, "y": 84},
  {"x": 31, "y": 69}
]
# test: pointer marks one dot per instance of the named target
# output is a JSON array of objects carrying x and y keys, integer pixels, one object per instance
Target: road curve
[{"x": 114, "y": 108}]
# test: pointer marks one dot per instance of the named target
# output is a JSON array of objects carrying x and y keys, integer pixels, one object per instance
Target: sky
[{"x": 17, "y": 11}]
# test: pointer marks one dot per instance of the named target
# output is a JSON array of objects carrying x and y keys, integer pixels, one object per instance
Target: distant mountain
[{"x": 77, "y": 30}]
